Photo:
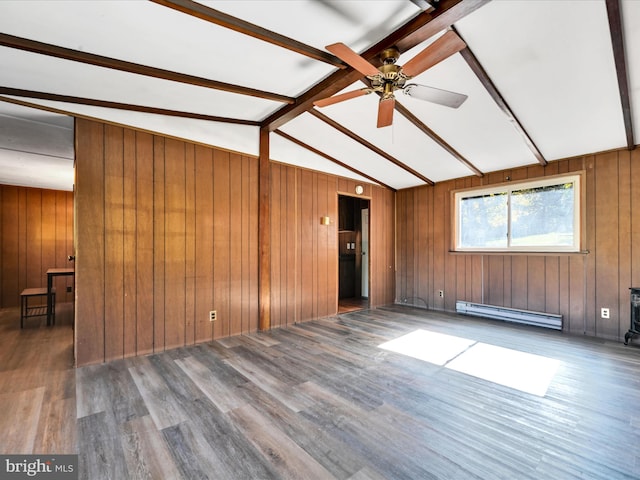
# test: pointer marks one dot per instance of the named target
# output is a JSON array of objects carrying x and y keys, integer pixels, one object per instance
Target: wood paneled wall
[
  {"x": 166, "y": 232},
  {"x": 36, "y": 233},
  {"x": 304, "y": 254},
  {"x": 576, "y": 286}
]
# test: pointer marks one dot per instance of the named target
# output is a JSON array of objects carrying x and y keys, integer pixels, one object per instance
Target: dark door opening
[{"x": 353, "y": 253}]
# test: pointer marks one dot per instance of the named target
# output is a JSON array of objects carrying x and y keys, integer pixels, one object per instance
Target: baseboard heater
[{"x": 538, "y": 319}]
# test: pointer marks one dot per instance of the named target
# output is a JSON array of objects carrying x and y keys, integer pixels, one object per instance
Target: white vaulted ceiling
[{"x": 551, "y": 63}]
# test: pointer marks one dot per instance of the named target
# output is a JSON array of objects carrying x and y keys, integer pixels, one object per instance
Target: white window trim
[{"x": 576, "y": 178}]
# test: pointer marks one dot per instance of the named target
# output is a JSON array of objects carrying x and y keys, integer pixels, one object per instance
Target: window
[{"x": 541, "y": 215}]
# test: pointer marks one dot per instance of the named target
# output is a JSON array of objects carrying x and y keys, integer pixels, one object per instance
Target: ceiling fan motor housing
[
  {"x": 389, "y": 55},
  {"x": 389, "y": 79}
]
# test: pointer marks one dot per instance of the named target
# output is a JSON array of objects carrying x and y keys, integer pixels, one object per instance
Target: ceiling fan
[{"x": 390, "y": 77}]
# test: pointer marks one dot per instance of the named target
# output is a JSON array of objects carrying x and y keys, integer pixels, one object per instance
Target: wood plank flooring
[
  {"x": 37, "y": 384},
  {"x": 346, "y": 305},
  {"x": 321, "y": 400}
]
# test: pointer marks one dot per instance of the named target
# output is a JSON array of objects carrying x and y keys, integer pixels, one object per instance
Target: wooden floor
[
  {"x": 321, "y": 400},
  {"x": 352, "y": 304},
  {"x": 37, "y": 384}
]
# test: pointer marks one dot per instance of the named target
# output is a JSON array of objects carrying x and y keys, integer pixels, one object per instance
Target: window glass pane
[
  {"x": 483, "y": 221},
  {"x": 543, "y": 216}
]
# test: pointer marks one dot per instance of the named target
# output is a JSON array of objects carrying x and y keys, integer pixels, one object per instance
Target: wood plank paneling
[
  {"x": 190, "y": 244},
  {"x": 324, "y": 250},
  {"x": 306, "y": 245},
  {"x": 159, "y": 160},
  {"x": 9, "y": 247},
  {"x": 252, "y": 212},
  {"x": 410, "y": 257},
  {"x": 332, "y": 236},
  {"x": 22, "y": 235},
  {"x": 305, "y": 253},
  {"x": 113, "y": 242},
  {"x": 204, "y": 243},
  {"x": 221, "y": 243},
  {"x": 383, "y": 253},
  {"x": 245, "y": 246},
  {"x": 235, "y": 248},
  {"x": 48, "y": 230},
  {"x": 313, "y": 259},
  {"x": 293, "y": 248},
  {"x": 441, "y": 244},
  {"x": 624, "y": 238},
  {"x": 607, "y": 262},
  {"x": 153, "y": 215},
  {"x": 129, "y": 243},
  {"x": 175, "y": 257},
  {"x": 277, "y": 212},
  {"x": 144, "y": 297},
  {"x": 577, "y": 286},
  {"x": 536, "y": 283},
  {"x": 47, "y": 215},
  {"x": 182, "y": 222},
  {"x": 34, "y": 236},
  {"x": 90, "y": 252}
]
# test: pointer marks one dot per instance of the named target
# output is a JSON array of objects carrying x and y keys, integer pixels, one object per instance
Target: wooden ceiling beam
[
  {"x": 222, "y": 19},
  {"x": 446, "y": 14},
  {"x": 122, "y": 106},
  {"x": 47, "y": 108},
  {"x": 488, "y": 84},
  {"x": 330, "y": 158},
  {"x": 342, "y": 129},
  {"x": 130, "y": 67},
  {"x": 409, "y": 35},
  {"x": 406, "y": 113},
  {"x": 617, "y": 42}
]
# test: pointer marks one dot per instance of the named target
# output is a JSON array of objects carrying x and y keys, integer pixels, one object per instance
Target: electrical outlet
[
  {"x": 441, "y": 293},
  {"x": 212, "y": 316},
  {"x": 604, "y": 313}
]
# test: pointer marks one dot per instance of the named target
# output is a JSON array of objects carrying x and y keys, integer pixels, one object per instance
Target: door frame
[{"x": 358, "y": 246}]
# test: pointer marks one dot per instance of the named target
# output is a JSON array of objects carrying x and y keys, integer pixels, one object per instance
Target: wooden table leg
[{"x": 49, "y": 302}]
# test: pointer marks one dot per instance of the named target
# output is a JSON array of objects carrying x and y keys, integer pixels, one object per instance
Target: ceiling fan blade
[
  {"x": 442, "y": 48},
  {"x": 350, "y": 57},
  {"x": 435, "y": 95},
  {"x": 385, "y": 111},
  {"x": 342, "y": 97}
]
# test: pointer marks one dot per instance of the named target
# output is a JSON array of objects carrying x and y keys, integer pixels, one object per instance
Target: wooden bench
[{"x": 27, "y": 310}]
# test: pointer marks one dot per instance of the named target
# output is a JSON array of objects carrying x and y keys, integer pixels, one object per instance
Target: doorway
[{"x": 353, "y": 253}]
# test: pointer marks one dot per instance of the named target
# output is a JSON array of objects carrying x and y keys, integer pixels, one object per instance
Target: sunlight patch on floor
[
  {"x": 431, "y": 347},
  {"x": 523, "y": 371},
  {"x": 514, "y": 369}
]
